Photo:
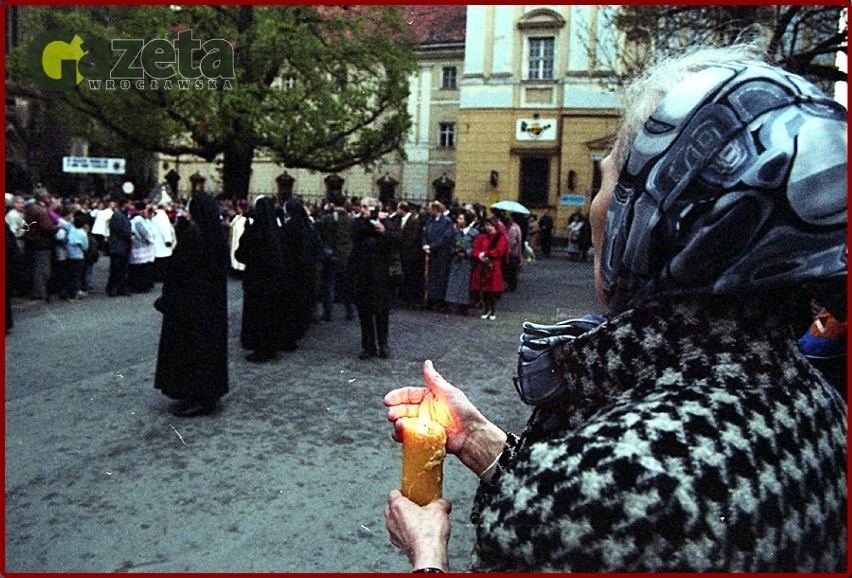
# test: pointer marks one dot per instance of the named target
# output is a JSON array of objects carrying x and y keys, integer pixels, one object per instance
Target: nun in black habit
[
  {"x": 192, "y": 360},
  {"x": 303, "y": 244},
  {"x": 261, "y": 249}
]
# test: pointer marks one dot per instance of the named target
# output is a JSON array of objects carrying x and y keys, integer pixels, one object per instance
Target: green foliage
[{"x": 346, "y": 105}]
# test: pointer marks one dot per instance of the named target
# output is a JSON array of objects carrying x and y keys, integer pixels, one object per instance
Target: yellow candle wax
[{"x": 423, "y": 452}]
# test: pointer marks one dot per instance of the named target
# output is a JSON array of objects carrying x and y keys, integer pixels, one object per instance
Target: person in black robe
[
  {"x": 304, "y": 249},
  {"x": 192, "y": 360},
  {"x": 261, "y": 250}
]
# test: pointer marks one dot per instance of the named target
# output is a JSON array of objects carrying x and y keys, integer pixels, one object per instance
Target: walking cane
[{"x": 426, "y": 282}]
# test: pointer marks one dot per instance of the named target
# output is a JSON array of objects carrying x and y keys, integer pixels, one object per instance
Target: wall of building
[
  {"x": 310, "y": 185},
  {"x": 430, "y": 105},
  {"x": 497, "y": 94},
  {"x": 585, "y": 136},
  {"x": 485, "y": 137}
]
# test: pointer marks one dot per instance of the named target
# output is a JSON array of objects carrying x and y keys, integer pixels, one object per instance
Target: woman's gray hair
[{"x": 643, "y": 94}]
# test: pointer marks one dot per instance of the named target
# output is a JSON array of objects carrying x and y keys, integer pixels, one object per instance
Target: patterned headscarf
[{"x": 736, "y": 182}]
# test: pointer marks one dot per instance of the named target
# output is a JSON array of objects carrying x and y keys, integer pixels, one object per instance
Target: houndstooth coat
[{"x": 695, "y": 437}]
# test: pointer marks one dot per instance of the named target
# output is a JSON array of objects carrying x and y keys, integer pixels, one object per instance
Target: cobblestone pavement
[{"x": 290, "y": 475}]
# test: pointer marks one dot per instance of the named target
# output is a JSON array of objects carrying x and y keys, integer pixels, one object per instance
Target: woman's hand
[
  {"x": 421, "y": 532},
  {"x": 475, "y": 440}
]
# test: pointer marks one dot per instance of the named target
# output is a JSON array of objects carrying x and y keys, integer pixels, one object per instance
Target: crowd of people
[
  {"x": 54, "y": 243},
  {"x": 297, "y": 262},
  {"x": 58, "y": 241}
]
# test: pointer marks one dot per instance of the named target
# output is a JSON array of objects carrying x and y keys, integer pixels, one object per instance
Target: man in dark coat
[
  {"x": 192, "y": 360},
  {"x": 545, "y": 231},
  {"x": 335, "y": 229},
  {"x": 118, "y": 248},
  {"x": 407, "y": 222},
  {"x": 438, "y": 248},
  {"x": 373, "y": 242},
  {"x": 38, "y": 242}
]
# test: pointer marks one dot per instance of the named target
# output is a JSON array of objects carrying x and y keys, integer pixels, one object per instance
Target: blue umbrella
[{"x": 511, "y": 206}]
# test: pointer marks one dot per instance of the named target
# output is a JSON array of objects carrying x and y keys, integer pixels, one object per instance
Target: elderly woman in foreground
[{"x": 684, "y": 430}]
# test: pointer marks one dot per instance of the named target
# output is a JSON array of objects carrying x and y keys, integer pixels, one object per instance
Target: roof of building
[{"x": 437, "y": 24}]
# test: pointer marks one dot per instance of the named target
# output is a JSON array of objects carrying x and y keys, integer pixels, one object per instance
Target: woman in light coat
[{"x": 461, "y": 265}]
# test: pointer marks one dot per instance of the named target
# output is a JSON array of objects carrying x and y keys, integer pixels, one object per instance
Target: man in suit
[
  {"x": 438, "y": 248},
  {"x": 407, "y": 221},
  {"x": 118, "y": 249}
]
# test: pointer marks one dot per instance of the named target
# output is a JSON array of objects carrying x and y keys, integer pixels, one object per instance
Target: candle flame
[{"x": 424, "y": 424}]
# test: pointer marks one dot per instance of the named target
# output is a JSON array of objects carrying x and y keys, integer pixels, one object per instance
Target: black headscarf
[
  {"x": 205, "y": 216},
  {"x": 267, "y": 230},
  {"x": 297, "y": 213}
]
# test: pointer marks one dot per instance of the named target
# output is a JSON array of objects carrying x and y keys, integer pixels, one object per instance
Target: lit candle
[{"x": 423, "y": 452}]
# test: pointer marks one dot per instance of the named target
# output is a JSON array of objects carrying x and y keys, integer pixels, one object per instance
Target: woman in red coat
[{"x": 489, "y": 250}]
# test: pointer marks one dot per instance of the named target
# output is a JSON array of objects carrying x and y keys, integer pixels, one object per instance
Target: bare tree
[{"x": 802, "y": 39}]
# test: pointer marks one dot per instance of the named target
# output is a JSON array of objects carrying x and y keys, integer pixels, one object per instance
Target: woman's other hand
[{"x": 422, "y": 533}]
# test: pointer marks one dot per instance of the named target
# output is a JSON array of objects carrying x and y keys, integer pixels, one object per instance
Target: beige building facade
[
  {"x": 535, "y": 118},
  {"x": 434, "y": 107}
]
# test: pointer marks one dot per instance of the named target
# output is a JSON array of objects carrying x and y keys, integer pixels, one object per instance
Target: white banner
[
  {"x": 93, "y": 165},
  {"x": 535, "y": 129}
]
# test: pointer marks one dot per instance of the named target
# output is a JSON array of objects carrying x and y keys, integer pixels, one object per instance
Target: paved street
[{"x": 290, "y": 475}]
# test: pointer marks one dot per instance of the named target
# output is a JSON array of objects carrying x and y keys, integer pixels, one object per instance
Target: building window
[
  {"x": 447, "y": 135},
  {"x": 448, "y": 78},
  {"x": 541, "y": 58}
]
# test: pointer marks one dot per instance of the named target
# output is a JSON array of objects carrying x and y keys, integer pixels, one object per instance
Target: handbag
[{"x": 539, "y": 379}]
